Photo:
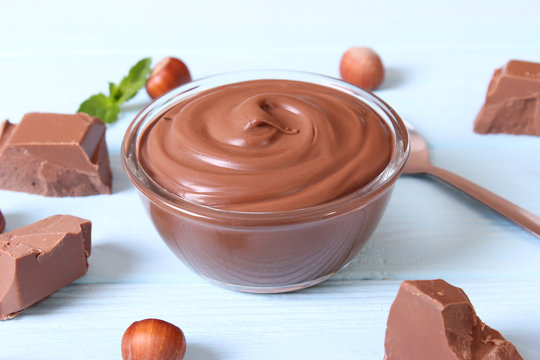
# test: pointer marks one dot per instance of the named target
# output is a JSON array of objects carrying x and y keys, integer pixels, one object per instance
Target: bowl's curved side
[{"x": 268, "y": 259}]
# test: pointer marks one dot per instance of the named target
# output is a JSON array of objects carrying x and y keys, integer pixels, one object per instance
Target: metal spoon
[{"x": 419, "y": 164}]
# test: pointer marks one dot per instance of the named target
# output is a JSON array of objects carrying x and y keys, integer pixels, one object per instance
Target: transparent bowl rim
[{"x": 173, "y": 202}]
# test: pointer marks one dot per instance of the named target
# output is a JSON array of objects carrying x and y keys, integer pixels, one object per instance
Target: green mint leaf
[
  {"x": 101, "y": 106},
  {"x": 133, "y": 82},
  {"x": 107, "y": 107},
  {"x": 113, "y": 91}
]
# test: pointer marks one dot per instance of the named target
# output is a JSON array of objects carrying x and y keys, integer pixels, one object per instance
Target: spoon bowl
[{"x": 419, "y": 154}]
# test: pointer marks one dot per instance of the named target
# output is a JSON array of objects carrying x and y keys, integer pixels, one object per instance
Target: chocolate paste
[
  {"x": 39, "y": 259},
  {"x": 55, "y": 155},
  {"x": 512, "y": 103},
  {"x": 266, "y": 145},
  {"x": 431, "y": 319}
]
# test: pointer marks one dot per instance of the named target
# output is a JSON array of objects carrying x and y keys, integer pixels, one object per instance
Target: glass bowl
[{"x": 265, "y": 252}]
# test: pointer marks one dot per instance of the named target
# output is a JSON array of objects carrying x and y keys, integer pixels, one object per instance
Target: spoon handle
[{"x": 518, "y": 215}]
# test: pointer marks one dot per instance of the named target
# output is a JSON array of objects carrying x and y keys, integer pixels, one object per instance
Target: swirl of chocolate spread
[{"x": 266, "y": 145}]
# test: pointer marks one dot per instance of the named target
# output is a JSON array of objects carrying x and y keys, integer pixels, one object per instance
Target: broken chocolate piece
[
  {"x": 39, "y": 259},
  {"x": 55, "y": 155},
  {"x": 512, "y": 103},
  {"x": 431, "y": 319},
  {"x": 2, "y": 223}
]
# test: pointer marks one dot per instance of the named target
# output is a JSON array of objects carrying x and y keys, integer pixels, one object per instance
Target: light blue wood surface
[{"x": 439, "y": 57}]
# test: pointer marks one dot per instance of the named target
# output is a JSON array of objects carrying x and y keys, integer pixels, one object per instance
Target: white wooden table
[{"x": 439, "y": 55}]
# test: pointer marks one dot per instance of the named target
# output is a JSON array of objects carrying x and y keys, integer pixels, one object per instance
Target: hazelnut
[
  {"x": 152, "y": 339},
  {"x": 168, "y": 74},
  {"x": 362, "y": 67}
]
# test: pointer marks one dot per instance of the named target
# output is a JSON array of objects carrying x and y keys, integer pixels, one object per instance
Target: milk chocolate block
[
  {"x": 55, "y": 155},
  {"x": 431, "y": 319},
  {"x": 513, "y": 101},
  {"x": 2, "y": 223},
  {"x": 39, "y": 259}
]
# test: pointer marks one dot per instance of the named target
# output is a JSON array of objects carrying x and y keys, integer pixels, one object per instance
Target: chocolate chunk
[
  {"x": 55, "y": 155},
  {"x": 431, "y": 319},
  {"x": 39, "y": 259},
  {"x": 2, "y": 223},
  {"x": 512, "y": 103}
]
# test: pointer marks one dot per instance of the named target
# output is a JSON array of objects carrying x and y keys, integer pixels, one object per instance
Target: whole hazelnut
[
  {"x": 362, "y": 67},
  {"x": 153, "y": 339},
  {"x": 168, "y": 74}
]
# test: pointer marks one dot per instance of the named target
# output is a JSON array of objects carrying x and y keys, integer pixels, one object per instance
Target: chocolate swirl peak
[{"x": 266, "y": 145}]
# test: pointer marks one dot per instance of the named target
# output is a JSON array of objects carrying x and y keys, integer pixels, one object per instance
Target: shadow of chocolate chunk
[
  {"x": 431, "y": 319},
  {"x": 512, "y": 103},
  {"x": 39, "y": 259},
  {"x": 55, "y": 155}
]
